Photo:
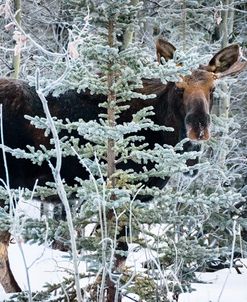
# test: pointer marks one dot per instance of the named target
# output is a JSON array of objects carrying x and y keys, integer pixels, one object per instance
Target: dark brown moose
[{"x": 184, "y": 105}]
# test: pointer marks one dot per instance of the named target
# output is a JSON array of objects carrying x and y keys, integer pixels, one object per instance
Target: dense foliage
[{"x": 108, "y": 47}]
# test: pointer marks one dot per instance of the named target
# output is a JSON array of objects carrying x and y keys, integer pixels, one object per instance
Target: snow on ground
[
  {"x": 47, "y": 265},
  {"x": 222, "y": 286},
  {"x": 44, "y": 265}
]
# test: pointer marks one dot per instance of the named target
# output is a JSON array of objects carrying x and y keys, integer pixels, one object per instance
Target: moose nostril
[{"x": 198, "y": 120}]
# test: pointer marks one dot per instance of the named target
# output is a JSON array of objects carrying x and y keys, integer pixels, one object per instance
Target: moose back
[{"x": 184, "y": 105}]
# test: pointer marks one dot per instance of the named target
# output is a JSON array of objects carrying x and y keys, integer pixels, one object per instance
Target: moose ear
[
  {"x": 164, "y": 49},
  {"x": 224, "y": 59}
]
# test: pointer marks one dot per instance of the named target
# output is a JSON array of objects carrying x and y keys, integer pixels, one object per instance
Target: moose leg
[{"x": 6, "y": 276}]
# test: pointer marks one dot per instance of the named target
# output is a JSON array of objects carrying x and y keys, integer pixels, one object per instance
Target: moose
[{"x": 184, "y": 105}]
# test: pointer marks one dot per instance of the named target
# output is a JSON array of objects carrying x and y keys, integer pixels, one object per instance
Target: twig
[
  {"x": 231, "y": 263},
  {"x": 60, "y": 187}
]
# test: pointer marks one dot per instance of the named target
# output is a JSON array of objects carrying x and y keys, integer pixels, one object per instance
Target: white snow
[
  {"x": 44, "y": 264},
  {"x": 222, "y": 286},
  {"x": 47, "y": 265}
]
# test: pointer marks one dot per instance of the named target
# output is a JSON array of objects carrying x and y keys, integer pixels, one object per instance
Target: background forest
[{"x": 200, "y": 215}]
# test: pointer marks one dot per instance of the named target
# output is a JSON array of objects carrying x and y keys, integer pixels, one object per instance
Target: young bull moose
[{"x": 184, "y": 105}]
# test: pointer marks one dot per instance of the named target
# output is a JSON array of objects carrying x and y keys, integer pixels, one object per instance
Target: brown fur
[
  {"x": 164, "y": 49},
  {"x": 185, "y": 106},
  {"x": 6, "y": 276}
]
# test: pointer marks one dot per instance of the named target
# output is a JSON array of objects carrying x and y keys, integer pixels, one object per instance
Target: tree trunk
[
  {"x": 226, "y": 29},
  {"x": 112, "y": 292},
  {"x": 17, "y": 57},
  {"x": 184, "y": 24},
  {"x": 224, "y": 102},
  {"x": 226, "y": 26},
  {"x": 6, "y": 277},
  {"x": 111, "y": 156},
  {"x": 129, "y": 32}
]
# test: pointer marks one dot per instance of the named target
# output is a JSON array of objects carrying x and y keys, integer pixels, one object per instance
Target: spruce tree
[{"x": 186, "y": 224}]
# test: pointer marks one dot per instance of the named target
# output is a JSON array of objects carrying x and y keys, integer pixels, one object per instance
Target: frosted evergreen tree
[
  {"x": 96, "y": 61},
  {"x": 191, "y": 212}
]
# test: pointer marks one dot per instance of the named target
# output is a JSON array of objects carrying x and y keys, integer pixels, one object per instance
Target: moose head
[{"x": 193, "y": 93}]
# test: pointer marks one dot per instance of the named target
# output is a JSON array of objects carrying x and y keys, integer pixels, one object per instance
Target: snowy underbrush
[
  {"x": 46, "y": 265},
  {"x": 148, "y": 268}
]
